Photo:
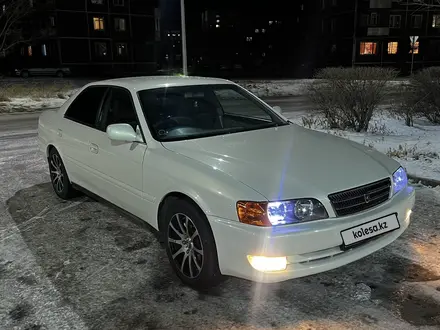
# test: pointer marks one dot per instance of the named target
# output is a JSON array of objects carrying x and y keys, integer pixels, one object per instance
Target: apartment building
[
  {"x": 92, "y": 36},
  {"x": 377, "y": 32}
]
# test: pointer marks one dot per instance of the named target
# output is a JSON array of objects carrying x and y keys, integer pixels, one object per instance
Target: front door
[{"x": 119, "y": 164}]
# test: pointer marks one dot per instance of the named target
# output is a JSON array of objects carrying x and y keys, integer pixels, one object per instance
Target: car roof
[{"x": 150, "y": 82}]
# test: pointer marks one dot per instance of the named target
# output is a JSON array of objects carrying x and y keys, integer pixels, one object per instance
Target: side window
[
  {"x": 233, "y": 103},
  {"x": 119, "y": 109},
  {"x": 84, "y": 109}
]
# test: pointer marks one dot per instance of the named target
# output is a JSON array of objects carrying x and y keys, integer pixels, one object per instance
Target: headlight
[
  {"x": 268, "y": 214},
  {"x": 400, "y": 180}
]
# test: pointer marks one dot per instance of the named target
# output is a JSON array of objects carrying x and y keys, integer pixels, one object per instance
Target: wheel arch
[
  {"x": 49, "y": 148},
  {"x": 170, "y": 196}
]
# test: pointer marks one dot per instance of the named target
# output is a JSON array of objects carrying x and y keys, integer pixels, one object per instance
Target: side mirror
[
  {"x": 123, "y": 133},
  {"x": 278, "y": 110}
]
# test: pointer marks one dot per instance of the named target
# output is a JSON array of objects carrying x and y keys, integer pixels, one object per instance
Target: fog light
[{"x": 268, "y": 264}]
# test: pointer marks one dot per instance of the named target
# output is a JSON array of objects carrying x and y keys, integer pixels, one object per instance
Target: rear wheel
[
  {"x": 58, "y": 176},
  {"x": 190, "y": 244}
]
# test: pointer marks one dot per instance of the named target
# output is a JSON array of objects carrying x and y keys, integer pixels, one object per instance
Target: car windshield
[{"x": 188, "y": 112}]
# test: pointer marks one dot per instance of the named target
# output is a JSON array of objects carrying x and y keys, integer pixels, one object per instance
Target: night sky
[{"x": 170, "y": 14}]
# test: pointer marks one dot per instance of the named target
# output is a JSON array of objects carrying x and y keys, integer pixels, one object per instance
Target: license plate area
[{"x": 366, "y": 231}]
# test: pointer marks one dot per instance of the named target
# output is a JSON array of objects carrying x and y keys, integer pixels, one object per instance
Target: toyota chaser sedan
[{"x": 230, "y": 184}]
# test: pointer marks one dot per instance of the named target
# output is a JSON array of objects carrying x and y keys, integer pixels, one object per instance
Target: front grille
[{"x": 361, "y": 198}]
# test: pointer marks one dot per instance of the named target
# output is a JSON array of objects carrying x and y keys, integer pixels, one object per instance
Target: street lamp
[{"x": 184, "y": 55}]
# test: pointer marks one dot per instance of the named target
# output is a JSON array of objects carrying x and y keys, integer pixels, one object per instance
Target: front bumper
[{"x": 311, "y": 248}]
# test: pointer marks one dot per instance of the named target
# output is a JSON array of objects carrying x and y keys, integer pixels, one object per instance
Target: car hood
[{"x": 289, "y": 161}]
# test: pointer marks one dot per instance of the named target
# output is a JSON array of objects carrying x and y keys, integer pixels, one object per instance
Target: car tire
[
  {"x": 60, "y": 74},
  {"x": 25, "y": 74},
  {"x": 190, "y": 246},
  {"x": 58, "y": 176}
]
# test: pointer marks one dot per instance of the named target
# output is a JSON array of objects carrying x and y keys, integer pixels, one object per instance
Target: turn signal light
[{"x": 253, "y": 213}]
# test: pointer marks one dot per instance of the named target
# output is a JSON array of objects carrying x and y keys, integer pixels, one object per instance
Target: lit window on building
[
  {"x": 29, "y": 50},
  {"x": 97, "y": 2},
  {"x": 392, "y": 47},
  {"x": 368, "y": 48},
  {"x": 43, "y": 50},
  {"x": 270, "y": 22},
  {"x": 120, "y": 24},
  {"x": 248, "y": 39},
  {"x": 415, "y": 48},
  {"x": 257, "y": 31},
  {"x": 263, "y": 30},
  {"x": 98, "y": 23},
  {"x": 436, "y": 21},
  {"x": 217, "y": 26},
  {"x": 52, "y": 21}
]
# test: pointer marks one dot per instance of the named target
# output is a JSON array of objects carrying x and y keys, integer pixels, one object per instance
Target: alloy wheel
[
  {"x": 56, "y": 173},
  {"x": 185, "y": 245}
]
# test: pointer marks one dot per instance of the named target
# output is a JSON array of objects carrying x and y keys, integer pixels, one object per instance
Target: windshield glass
[{"x": 187, "y": 112}]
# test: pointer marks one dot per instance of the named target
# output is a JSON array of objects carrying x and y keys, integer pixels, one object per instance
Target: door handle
[{"x": 94, "y": 148}]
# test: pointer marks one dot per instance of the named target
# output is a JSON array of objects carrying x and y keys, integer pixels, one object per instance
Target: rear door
[{"x": 76, "y": 133}]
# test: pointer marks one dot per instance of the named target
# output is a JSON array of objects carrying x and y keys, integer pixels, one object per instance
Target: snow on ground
[
  {"x": 25, "y": 104},
  {"x": 416, "y": 148},
  {"x": 293, "y": 87},
  {"x": 273, "y": 88},
  {"x": 32, "y": 103}
]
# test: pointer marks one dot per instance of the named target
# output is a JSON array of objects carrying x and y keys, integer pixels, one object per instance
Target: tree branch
[{"x": 12, "y": 13}]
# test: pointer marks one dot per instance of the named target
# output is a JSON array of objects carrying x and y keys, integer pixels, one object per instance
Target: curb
[{"x": 424, "y": 181}]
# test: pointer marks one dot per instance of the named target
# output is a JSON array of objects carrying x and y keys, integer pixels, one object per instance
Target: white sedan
[{"x": 231, "y": 185}]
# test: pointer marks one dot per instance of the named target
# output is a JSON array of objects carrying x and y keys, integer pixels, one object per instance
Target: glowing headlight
[
  {"x": 280, "y": 213},
  {"x": 400, "y": 180}
]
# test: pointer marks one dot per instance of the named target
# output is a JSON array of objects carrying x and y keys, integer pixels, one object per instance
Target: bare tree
[{"x": 12, "y": 13}]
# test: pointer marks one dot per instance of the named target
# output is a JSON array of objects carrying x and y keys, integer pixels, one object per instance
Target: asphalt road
[{"x": 83, "y": 265}]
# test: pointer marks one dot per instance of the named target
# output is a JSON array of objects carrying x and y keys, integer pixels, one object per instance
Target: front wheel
[
  {"x": 58, "y": 176},
  {"x": 190, "y": 245}
]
